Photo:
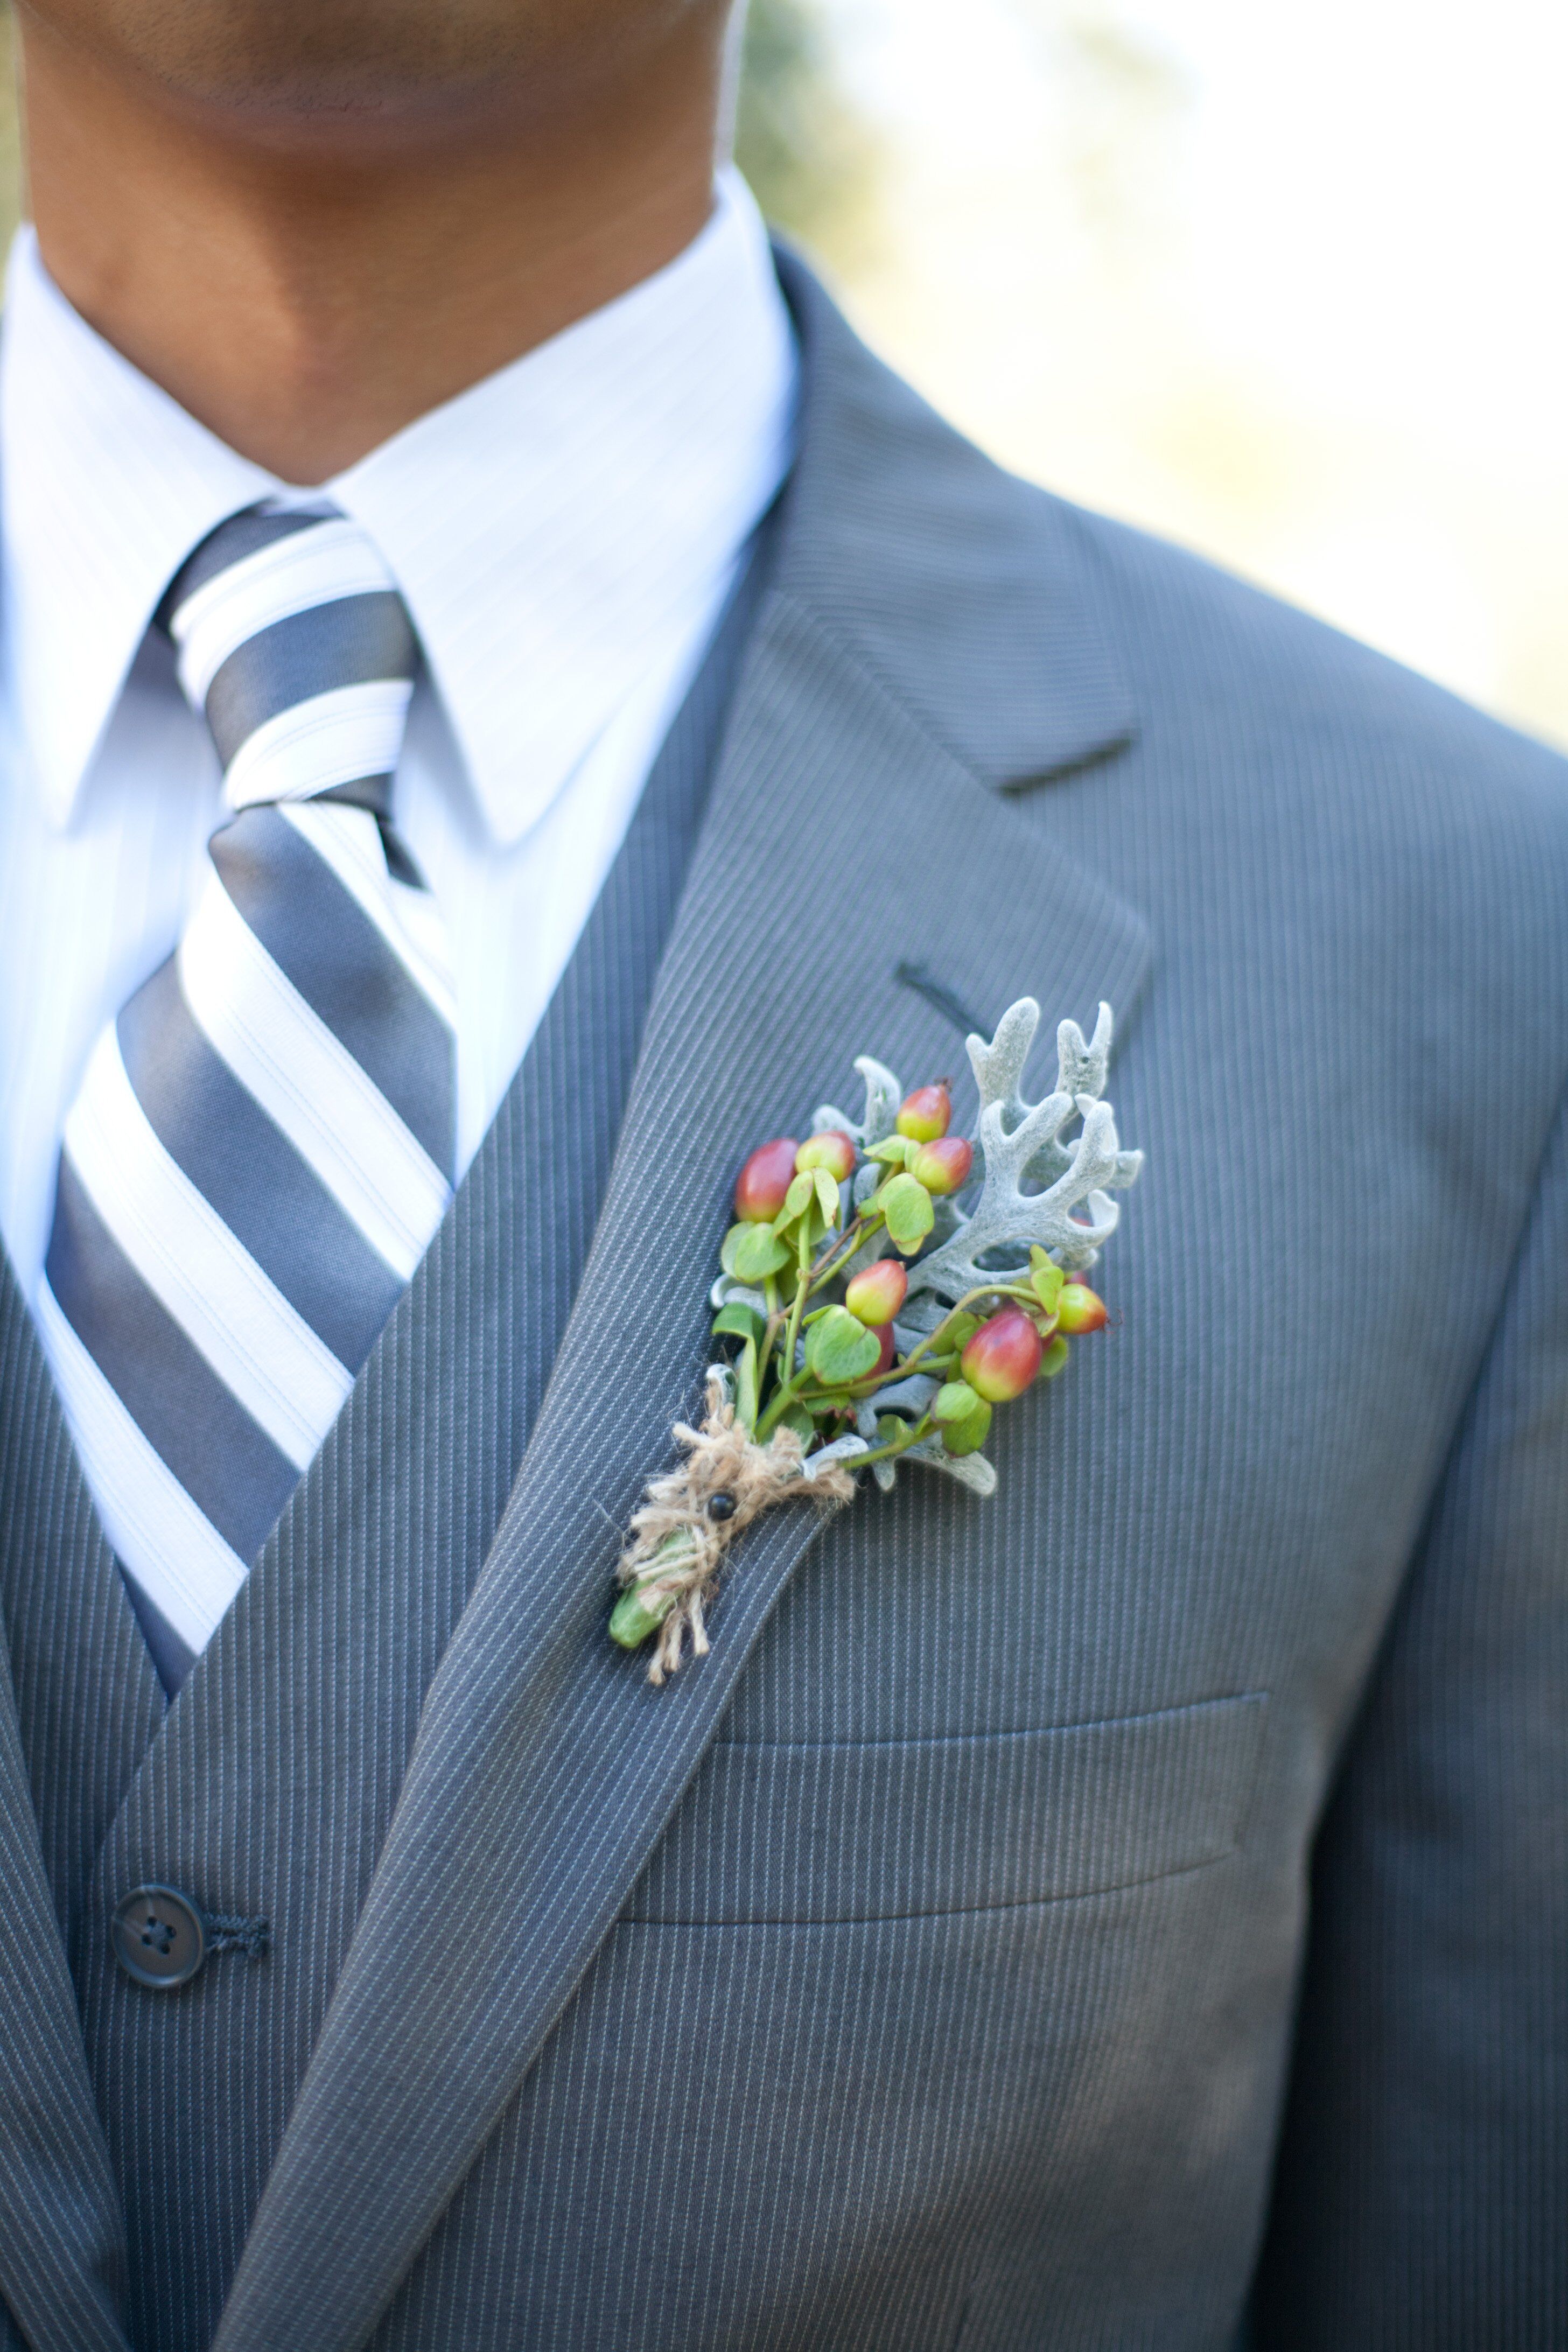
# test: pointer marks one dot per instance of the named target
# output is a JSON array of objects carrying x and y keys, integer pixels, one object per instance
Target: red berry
[
  {"x": 1003, "y": 1356},
  {"x": 944, "y": 1166},
  {"x": 764, "y": 1179},
  {"x": 885, "y": 1360},
  {"x": 875, "y": 1295},
  {"x": 925, "y": 1114},
  {"x": 831, "y": 1149},
  {"x": 1078, "y": 1309}
]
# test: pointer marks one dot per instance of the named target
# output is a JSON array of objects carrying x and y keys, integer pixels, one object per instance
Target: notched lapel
[{"x": 841, "y": 840}]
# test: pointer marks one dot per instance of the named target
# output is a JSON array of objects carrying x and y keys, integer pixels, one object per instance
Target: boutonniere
[{"x": 886, "y": 1286}]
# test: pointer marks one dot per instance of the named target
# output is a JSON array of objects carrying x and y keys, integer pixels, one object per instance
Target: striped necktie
[{"x": 262, "y": 1145}]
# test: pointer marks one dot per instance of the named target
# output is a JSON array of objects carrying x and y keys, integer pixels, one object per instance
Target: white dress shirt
[{"x": 564, "y": 534}]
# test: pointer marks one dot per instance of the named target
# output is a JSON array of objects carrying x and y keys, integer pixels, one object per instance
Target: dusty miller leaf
[
  {"x": 883, "y": 1096},
  {"x": 1019, "y": 1144}
]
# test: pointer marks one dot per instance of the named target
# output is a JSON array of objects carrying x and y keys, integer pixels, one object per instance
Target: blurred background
[{"x": 1283, "y": 283}]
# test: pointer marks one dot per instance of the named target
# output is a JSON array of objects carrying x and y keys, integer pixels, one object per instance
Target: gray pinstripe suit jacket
[{"x": 933, "y": 1966}]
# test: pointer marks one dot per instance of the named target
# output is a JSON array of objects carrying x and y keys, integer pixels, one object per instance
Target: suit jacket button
[{"x": 158, "y": 1937}]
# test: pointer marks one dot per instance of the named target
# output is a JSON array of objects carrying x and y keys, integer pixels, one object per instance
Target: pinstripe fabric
[
  {"x": 704, "y": 2019},
  {"x": 79, "y": 1659}
]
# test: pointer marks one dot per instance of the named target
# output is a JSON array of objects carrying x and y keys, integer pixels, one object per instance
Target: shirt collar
[
  {"x": 556, "y": 530},
  {"x": 108, "y": 484}
]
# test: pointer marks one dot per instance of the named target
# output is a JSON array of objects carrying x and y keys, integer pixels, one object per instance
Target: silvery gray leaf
[
  {"x": 917, "y": 1320},
  {"x": 728, "y": 1292},
  {"x": 999, "y": 1066},
  {"x": 946, "y": 1219},
  {"x": 883, "y": 1096},
  {"x": 886, "y": 1474},
  {"x": 911, "y": 1396},
  {"x": 1016, "y": 1142},
  {"x": 843, "y": 1449},
  {"x": 971, "y": 1470}
]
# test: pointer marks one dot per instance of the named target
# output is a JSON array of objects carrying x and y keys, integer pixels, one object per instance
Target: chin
[{"x": 294, "y": 70}]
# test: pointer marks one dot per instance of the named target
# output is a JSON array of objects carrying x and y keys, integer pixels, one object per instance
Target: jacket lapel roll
[
  {"x": 840, "y": 840},
  {"x": 62, "y": 2250}
]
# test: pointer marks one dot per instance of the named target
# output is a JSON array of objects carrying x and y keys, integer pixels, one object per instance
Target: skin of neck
[{"x": 307, "y": 264}]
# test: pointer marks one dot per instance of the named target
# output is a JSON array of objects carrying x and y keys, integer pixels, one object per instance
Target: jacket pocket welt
[{"x": 899, "y": 1829}]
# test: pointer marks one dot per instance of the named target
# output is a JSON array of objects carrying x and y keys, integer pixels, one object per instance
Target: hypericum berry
[
  {"x": 1078, "y": 1309},
  {"x": 1003, "y": 1356},
  {"x": 885, "y": 1360},
  {"x": 831, "y": 1149},
  {"x": 944, "y": 1166},
  {"x": 925, "y": 1114},
  {"x": 877, "y": 1295},
  {"x": 764, "y": 1179}
]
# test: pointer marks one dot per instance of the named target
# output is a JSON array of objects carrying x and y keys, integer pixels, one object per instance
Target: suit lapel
[
  {"x": 842, "y": 840},
  {"x": 62, "y": 2250},
  {"x": 89, "y": 1703}
]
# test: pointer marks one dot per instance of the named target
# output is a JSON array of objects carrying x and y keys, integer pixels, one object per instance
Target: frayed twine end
[{"x": 678, "y": 1546}]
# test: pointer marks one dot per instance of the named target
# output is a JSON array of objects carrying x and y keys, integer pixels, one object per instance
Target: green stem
[
  {"x": 895, "y": 1446},
  {"x": 797, "y": 1308},
  {"x": 860, "y": 1391},
  {"x": 834, "y": 1259},
  {"x": 771, "y": 1332},
  {"x": 782, "y": 1399}
]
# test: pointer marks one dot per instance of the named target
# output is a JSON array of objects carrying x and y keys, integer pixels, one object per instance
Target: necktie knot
[{"x": 292, "y": 642}]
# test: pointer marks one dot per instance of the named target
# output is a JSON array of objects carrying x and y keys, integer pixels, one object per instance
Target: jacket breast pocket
[{"x": 771, "y": 1832}]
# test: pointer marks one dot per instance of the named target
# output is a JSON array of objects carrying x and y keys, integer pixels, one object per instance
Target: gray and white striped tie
[{"x": 262, "y": 1146}]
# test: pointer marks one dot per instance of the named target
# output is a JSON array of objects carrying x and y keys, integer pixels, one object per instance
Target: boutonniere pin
[{"x": 884, "y": 1287}]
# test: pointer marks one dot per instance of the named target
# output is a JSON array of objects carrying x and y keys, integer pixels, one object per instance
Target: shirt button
[{"x": 157, "y": 1937}]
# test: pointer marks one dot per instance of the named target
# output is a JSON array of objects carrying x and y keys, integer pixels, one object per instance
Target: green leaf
[
  {"x": 824, "y": 1408},
  {"x": 895, "y": 1151},
  {"x": 906, "y": 1204},
  {"x": 746, "y": 1386},
  {"x": 957, "y": 1332},
  {"x": 729, "y": 1245},
  {"x": 736, "y": 1321},
  {"x": 797, "y": 1418},
  {"x": 1046, "y": 1279},
  {"x": 956, "y": 1401},
  {"x": 755, "y": 1255},
  {"x": 826, "y": 1197},
  {"x": 841, "y": 1350},
  {"x": 800, "y": 1194},
  {"x": 1054, "y": 1360},
  {"x": 967, "y": 1436}
]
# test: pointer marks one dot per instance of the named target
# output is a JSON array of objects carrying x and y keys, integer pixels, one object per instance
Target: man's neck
[{"x": 306, "y": 296}]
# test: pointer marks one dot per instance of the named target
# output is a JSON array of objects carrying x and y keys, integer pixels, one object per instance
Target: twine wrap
[{"x": 677, "y": 1548}]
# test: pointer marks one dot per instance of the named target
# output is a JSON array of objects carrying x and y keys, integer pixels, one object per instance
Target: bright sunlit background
[{"x": 1283, "y": 282}]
